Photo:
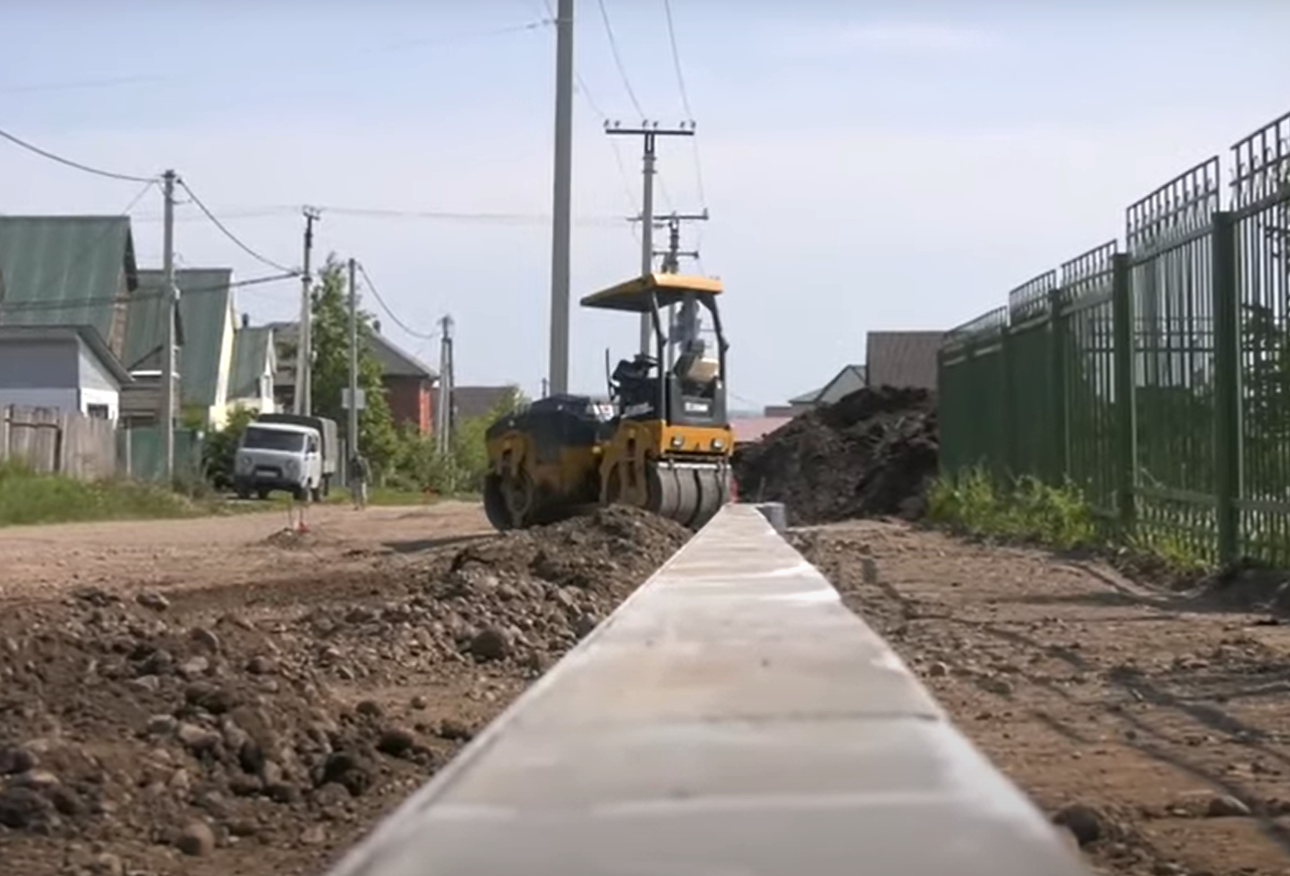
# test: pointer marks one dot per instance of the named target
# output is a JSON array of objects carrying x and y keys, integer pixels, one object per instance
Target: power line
[
  {"x": 233, "y": 237},
  {"x": 618, "y": 58},
  {"x": 685, "y": 101},
  {"x": 515, "y": 219},
  {"x": 676, "y": 60},
  {"x": 390, "y": 313},
  {"x": 73, "y": 164}
]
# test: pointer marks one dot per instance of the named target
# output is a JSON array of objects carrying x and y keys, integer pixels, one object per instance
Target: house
[
  {"x": 63, "y": 367},
  {"x": 68, "y": 271},
  {"x": 204, "y": 336},
  {"x": 750, "y": 430},
  {"x": 472, "y": 402},
  {"x": 409, "y": 384},
  {"x": 845, "y": 382},
  {"x": 250, "y": 383},
  {"x": 904, "y": 359}
]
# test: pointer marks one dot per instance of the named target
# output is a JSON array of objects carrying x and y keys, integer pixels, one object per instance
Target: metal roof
[
  {"x": 634, "y": 295},
  {"x": 848, "y": 380},
  {"x": 67, "y": 270},
  {"x": 252, "y": 349},
  {"x": 395, "y": 362},
  {"x": 88, "y": 335},
  {"x": 904, "y": 359},
  {"x": 204, "y": 301}
]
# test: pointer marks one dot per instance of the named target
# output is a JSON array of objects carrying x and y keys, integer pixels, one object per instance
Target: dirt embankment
[
  {"x": 260, "y": 727},
  {"x": 873, "y": 453}
]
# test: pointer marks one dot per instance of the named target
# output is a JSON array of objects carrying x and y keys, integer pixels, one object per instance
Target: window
[
  {"x": 98, "y": 412},
  {"x": 272, "y": 439}
]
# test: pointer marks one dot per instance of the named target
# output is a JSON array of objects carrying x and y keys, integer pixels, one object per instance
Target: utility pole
[
  {"x": 352, "y": 432},
  {"x": 167, "y": 388},
  {"x": 672, "y": 262},
  {"x": 650, "y": 131},
  {"x": 304, "y": 402},
  {"x": 562, "y": 212},
  {"x": 443, "y": 418}
]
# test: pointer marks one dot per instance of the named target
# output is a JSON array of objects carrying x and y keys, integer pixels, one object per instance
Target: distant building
[
  {"x": 66, "y": 368},
  {"x": 204, "y": 331},
  {"x": 472, "y": 402},
  {"x": 250, "y": 383},
  {"x": 68, "y": 271},
  {"x": 903, "y": 359},
  {"x": 750, "y": 430},
  {"x": 409, "y": 384},
  {"x": 845, "y": 382}
]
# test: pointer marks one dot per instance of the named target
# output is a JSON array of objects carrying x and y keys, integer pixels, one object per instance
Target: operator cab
[{"x": 682, "y": 379}]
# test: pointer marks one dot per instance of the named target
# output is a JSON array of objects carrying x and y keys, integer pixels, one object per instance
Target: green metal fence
[
  {"x": 139, "y": 453},
  {"x": 1156, "y": 379}
]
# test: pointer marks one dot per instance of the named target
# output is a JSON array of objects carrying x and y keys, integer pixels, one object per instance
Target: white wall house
[{"x": 67, "y": 368}]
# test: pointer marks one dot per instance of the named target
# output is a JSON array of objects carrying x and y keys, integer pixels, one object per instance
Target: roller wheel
[
  {"x": 709, "y": 484},
  {"x": 510, "y": 505},
  {"x": 687, "y": 496},
  {"x": 495, "y": 504},
  {"x": 664, "y": 490}
]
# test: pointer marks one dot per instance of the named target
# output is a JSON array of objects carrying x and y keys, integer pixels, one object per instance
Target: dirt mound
[
  {"x": 872, "y": 453},
  {"x": 151, "y": 729}
]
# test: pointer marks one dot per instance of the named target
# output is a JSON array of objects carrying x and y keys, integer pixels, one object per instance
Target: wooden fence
[{"x": 56, "y": 442}]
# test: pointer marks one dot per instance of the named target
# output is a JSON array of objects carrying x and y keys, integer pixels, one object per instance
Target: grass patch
[
  {"x": 27, "y": 497},
  {"x": 1029, "y": 511}
]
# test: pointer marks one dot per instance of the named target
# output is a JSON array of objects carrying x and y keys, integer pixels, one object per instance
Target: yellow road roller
[{"x": 662, "y": 443}]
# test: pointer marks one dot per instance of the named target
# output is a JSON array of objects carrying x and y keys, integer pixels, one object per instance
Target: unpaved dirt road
[
  {"x": 219, "y": 697},
  {"x": 1163, "y": 715}
]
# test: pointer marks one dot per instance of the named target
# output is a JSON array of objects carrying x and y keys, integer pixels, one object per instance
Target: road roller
[{"x": 661, "y": 442}]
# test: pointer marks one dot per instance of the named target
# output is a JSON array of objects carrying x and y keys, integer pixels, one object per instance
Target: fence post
[
  {"x": 1061, "y": 424},
  {"x": 1227, "y": 385},
  {"x": 1126, "y": 403},
  {"x": 1006, "y": 407}
]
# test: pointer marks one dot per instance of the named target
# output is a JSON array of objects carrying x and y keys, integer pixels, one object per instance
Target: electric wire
[
  {"x": 371, "y": 287},
  {"x": 233, "y": 237},
  {"x": 96, "y": 171},
  {"x": 685, "y": 102},
  {"x": 618, "y": 59}
]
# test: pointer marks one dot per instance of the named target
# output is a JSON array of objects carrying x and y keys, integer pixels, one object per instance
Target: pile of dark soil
[
  {"x": 873, "y": 453},
  {"x": 147, "y": 730}
]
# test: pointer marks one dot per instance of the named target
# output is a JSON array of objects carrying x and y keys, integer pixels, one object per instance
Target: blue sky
[{"x": 867, "y": 165}]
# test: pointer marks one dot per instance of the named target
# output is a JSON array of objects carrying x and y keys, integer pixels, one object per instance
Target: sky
[{"x": 866, "y": 165}]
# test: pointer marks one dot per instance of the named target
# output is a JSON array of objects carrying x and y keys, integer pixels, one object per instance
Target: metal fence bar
[{"x": 1156, "y": 380}]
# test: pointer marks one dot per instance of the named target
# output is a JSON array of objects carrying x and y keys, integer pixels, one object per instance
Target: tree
[{"x": 377, "y": 437}]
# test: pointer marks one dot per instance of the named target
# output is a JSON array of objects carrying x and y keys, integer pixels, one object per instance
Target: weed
[
  {"x": 1028, "y": 510},
  {"x": 28, "y": 497}
]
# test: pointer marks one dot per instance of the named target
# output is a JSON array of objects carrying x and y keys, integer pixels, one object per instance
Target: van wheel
[
  {"x": 300, "y": 494},
  {"x": 262, "y": 494}
]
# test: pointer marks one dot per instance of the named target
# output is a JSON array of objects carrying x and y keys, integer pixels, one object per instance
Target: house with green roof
[
  {"x": 250, "y": 383},
  {"x": 204, "y": 334},
  {"x": 68, "y": 271}
]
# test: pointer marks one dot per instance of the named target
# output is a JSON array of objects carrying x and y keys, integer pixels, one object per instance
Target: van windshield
[{"x": 273, "y": 439}]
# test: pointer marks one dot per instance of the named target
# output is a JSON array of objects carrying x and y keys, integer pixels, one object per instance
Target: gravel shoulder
[
  {"x": 1155, "y": 724},
  {"x": 222, "y": 697}
]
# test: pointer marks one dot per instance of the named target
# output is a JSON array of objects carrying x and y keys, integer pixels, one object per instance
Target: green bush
[
  {"x": 1028, "y": 510},
  {"x": 27, "y": 497}
]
